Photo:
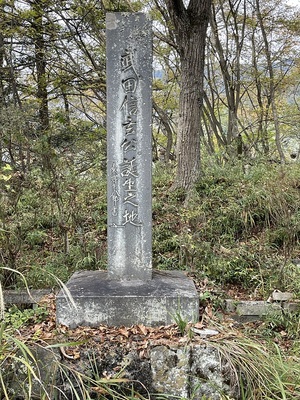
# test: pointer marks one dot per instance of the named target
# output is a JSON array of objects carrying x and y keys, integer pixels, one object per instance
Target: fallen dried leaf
[
  {"x": 199, "y": 325},
  {"x": 208, "y": 311},
  {"x": 143, "y": 329},
  {"x": 99, "y": 390},
  {"x": 142, "y": 353},
  {"x": 124, "y": 332}
]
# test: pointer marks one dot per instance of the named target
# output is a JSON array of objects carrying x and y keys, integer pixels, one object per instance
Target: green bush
[
  {"x": 17, "y": 318},
  {"x": 239, "y": 229}
]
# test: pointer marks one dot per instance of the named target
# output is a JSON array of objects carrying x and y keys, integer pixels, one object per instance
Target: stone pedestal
[{"x": 101, "y": 300}]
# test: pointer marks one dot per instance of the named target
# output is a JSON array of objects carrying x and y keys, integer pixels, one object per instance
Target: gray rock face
[
  {"x": 170, "y": 370},
  {"x": 129, "y": 152},
  {"x": 191, "y": 371},
  {"x": 209, "y": 375},
  {"x": 33, "y": 372}
]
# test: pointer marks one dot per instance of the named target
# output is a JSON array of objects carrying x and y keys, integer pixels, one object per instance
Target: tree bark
[
  {"x": 190, "y": 24},
  {"x": 40, "y": 61},
  {"x": 167, "y": 129},
  {"x": 2, "y": 101},
  {"x": 271, "y": 95}
]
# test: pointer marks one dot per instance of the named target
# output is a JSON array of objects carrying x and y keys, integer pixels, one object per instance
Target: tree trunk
[
  {"x": 188, "y": 136},
  {"x": 190, "y": 23},
  {"x": 271, "y": 95},
  {"x": 2, "y": 100},
  {"x": 167, "y": 129},
  {"x": 40, "y": 61}
]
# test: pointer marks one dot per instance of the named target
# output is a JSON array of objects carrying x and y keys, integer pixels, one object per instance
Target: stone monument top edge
[{"x": 112, "y": 18}]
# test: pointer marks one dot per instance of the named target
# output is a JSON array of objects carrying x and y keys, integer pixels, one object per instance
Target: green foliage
[
  {"x": 283, "y": 325},
  {"x": 53, "y": 218},
  {"x": 180, "y": 321},
  {"x": 36, "y": 238},
  {"x": 17, "y": 318},
  {"x": 239, "y": 228}
]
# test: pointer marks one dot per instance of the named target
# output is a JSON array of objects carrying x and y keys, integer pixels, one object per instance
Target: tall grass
[
  {"x": 33, "y": 371},
  {"x": 261, "y": 370}
]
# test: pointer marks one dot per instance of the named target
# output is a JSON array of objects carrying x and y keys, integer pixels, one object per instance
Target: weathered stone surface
[
  {"x": 35, "y": 371},
  {"x": 101, "y": 300},
  {"x": 189, "y": 371},
  {"x": 292, "y": 307},
  {"x": 246, "y": 310},
  {"x": 209, "y": 375},
  {"x": 24, "y": 296},
  {"x": 170, "y": 370},
  {"x": 251, "y": 308},
  {"x": 277, "y": 295},
  {"x": 129, "y": 151}
]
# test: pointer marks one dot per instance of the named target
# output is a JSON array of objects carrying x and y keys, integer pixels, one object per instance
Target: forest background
[
  {"x": 226, "y": 167},
  {"x": 239, "y": 223}
]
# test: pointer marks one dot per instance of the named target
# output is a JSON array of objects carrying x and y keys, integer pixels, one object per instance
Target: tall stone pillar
[{"x": 129, "y": 152}]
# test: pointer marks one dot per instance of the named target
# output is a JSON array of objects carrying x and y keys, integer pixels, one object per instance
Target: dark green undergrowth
[
  {"x": 237, "y": 228},
  {"x": 241, "y": 226}
]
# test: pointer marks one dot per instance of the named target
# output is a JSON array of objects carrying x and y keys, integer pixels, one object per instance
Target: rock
[
  {"x": 32, "y": 369},
  {"x": 210, "y": 375},
  {"x": 170, "y": 370},
  {"x": 204, "y": 333},
  {"x": 277, "y": 295},
  {"x": 191, "y": 371}
]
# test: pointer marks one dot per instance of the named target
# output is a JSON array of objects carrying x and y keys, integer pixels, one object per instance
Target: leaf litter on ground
[{"x": 139, "y": 337}]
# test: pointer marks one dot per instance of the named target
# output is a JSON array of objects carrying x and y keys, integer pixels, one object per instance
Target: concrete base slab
[
  {"x": 246, "y": 310},
  {"x": 98, "y": 299}
]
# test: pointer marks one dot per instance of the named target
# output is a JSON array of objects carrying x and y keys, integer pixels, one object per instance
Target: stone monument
[
  {"x": 129, "y": 150},
  {"x": 129, "y": 292}
]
